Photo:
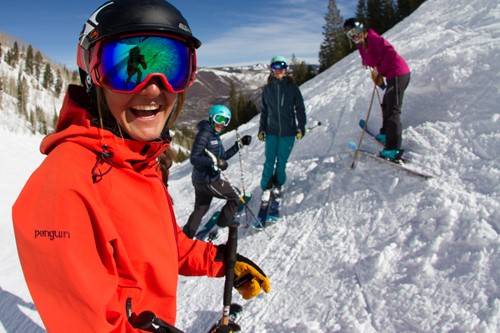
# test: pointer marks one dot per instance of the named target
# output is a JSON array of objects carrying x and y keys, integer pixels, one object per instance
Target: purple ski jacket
[{"x": 381, "y": 54}]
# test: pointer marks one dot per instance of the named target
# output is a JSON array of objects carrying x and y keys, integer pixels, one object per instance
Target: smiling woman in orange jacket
[{"x": 95, "y": 228}]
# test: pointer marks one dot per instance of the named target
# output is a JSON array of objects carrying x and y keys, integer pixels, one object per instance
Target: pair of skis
[
  {"x": 269, "y": 211},
  {"x": 402, "y": 164}
]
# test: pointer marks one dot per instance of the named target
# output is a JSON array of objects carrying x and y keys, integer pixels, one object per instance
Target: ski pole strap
[
  {"x": 148, "y": 321},
  {"x": 241, "y": 281}
]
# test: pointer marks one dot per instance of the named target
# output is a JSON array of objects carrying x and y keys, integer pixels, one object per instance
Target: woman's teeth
[{"x": 145, "y": 110}]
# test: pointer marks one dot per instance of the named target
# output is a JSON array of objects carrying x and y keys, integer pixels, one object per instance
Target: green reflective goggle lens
[
  {"x": 127, "y": 64},
  {"x": 221, "y": 120}
]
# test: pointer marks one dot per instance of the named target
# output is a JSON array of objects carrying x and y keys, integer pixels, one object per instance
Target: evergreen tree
[
  {"x": 32, "y": 120},
  {"x": 37, "y": 64},
  {"x": 48, "y": 77},
  {"x": 379, "y": 15},
  {"x": 8, "y": 57},
  {"x": 301, "y": 72},
  {"x": 334, "y": 46},
  {"x": 58, "y": 83},
  {"x": 389, "y": 14},
  {"x": 361, "y": 12},
  {"x": 41, "y": 122},
  {"x": 22, "y": 95},
  {"x": 406, "y": 7},
  {"x": 1, "y": 52},
  {"x": 29, "y": 60},
  {"x": 374, "y": 17},
  {"x": 15, "y": 54}
]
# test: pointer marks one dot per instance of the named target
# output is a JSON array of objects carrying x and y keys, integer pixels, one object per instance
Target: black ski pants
[
  {"x": 391, "y": 110},
  {"x": 204, "y": 193}
]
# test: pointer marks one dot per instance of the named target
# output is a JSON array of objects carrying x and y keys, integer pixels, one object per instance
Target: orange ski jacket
[{"x": 95, "y": 227}]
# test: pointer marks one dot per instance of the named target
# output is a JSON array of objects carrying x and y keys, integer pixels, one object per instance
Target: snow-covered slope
[{"x": 366, "y": 250}]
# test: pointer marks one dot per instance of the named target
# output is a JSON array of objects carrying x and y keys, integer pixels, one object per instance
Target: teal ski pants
[{"x": 278, "y": 150}]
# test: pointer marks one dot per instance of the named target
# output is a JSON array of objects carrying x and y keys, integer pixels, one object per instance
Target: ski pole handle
[
  {"x": 213, "y": 157},
  {"x": 230, "y": 260}
]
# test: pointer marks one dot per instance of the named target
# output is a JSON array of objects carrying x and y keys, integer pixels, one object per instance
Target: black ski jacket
[
  {"x": 203, "y": 165},
  {"x": 283, "y": 110}
]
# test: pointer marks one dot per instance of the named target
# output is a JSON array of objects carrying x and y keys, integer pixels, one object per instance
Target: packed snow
[{"x": 373, "y": 249}]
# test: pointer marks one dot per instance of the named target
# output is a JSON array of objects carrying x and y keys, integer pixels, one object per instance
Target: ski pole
[
  {"x": 380, "y": 101},
  {"x": 242, "y": 199},
  {"x": 353, "y": 165},
  {"x": 313, "y": 127},
  {"x": 242, "y": 177},
  {"x": 230, "y": 256}
]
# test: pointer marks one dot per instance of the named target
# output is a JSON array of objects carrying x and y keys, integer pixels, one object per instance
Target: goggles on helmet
[
  {"x": 221, "y": 120},
  {"x": 126, "y": 64},
  {"x": 354, "y": 33},
  {"x": 279, "y": 65}
]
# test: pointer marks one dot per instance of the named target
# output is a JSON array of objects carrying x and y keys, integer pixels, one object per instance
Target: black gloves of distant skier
[
  {"x": 262, "y": 136},
  {"x": 221, "y": 164},
  {"x": 299, "y": 134},
  {"x": 245, "y": 141},
  {"x": 249, "y": 279}
]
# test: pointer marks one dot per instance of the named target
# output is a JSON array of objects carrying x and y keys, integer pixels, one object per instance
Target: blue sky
[{"x": 232, "y": 32}]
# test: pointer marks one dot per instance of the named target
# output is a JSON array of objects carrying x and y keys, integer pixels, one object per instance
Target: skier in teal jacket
[{"x": 282, "y": 120}]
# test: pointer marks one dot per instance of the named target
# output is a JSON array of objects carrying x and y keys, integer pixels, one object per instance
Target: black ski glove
[
  {"x": 246, "y": 140},
  {"x": 221, "y": 164},
  {"x": 261, "y": 136}
]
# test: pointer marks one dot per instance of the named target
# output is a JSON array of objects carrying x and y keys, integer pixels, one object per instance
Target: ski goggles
[
  {"x": 221, "y": 120},
  {"x": 353, "y": 33},
  {"x": 127, "y": 64},
  {"x": 279, "y": 65}
]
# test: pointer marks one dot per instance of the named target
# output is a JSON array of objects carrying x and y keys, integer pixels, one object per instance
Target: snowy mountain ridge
[{"x": 366, "y": 250}]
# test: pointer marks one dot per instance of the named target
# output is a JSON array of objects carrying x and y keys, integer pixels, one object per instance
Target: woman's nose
[{"x": 152, "y": 88}]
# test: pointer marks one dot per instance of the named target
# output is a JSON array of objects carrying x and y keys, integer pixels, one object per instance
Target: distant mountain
[{"x": 213, "y": 85}]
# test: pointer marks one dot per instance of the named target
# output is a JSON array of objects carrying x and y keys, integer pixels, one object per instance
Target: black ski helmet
[
  {"x": 352, "y": 23},
  {"x": 128, "y": 16}
]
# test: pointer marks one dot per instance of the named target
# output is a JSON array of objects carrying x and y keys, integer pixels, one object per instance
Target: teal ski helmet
[
  {"x": 278, "y": 62},
  {"x": 219, "y": 114},
  {"x": 279, "y": 59}
]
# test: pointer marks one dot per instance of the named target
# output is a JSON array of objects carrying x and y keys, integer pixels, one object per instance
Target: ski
[
  {"x": 210, "y": 230},
  {"x": 369, "y": 131},
  {"x": 373, "y": 135},
  {"x": 269, "y": 211},
  {"x": 398, "y": 164},
  {"x": 274, "y": 209},
  {"x": 235, "y": 311}
]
